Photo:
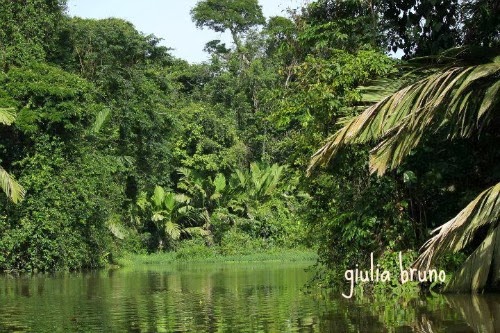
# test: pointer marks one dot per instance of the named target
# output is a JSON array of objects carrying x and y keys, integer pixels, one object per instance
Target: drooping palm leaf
[
  {"x": 11, "y": 187},
  {"x": 477, "y": 269},
  {"x": 377, "y": 89},
  {"x": 7, "y": 116},
  {"x": 457, "y": 233},
  {"x": 460, "y": 99}
]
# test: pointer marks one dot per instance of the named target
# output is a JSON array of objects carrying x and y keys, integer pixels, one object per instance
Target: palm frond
[
  {"x": 117, "y": 230},
  {"x": 7, "y": 116},
  {"x": 459, "y": 99},
  {"x": 193, "y": 231},
  {"x": 275, "y": 172},
  {"x": 11, "y": 187},
  {"x": 173, "y": 230},
  {"x": 377, "y": 89},
  {"x": 457, "y": 233}
]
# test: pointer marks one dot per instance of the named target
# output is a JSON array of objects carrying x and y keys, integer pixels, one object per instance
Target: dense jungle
[{"x": 346, "y": 127}]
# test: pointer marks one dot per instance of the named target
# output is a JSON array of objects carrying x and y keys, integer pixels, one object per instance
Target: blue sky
[{"x": 168, "y": 19}]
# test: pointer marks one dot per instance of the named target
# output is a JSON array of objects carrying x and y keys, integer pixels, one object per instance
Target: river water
[{"x": 229, "y": 297}]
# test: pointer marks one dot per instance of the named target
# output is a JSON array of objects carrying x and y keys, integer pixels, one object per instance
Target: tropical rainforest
[{"x": 347, "y": 126}]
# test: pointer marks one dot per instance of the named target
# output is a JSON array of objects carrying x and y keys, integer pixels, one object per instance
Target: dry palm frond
[
  {"x": 12, "y": 189},
  {"x": 477, "y": 269},
  {"x": 457, "y": 233},
  {"x": 459, "y": 99}
]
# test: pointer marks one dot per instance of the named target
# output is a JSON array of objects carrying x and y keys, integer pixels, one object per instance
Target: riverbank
[{"x": 212, "y": 255}]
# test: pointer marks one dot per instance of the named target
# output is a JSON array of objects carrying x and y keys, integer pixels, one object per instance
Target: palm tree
[
  {"x": 168, "y": 210},
  {"x": 461, "y": 101},
  {"x": 12, "y": 189}
]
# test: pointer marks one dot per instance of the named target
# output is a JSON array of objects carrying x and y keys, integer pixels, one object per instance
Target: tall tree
[{"x": 237, "y": 16}]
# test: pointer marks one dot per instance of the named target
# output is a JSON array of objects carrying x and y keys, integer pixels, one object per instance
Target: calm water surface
[{"x": 251, "y": 297}]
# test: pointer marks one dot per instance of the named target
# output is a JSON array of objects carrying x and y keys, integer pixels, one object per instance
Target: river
[{"x": 227, "y": 297}]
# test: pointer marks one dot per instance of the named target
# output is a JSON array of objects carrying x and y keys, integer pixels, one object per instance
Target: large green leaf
[
  {"x": 169, "y": 201},
  {"x": 258, "y": 177},
  {"x": 219, "y": 183},
  {"x": 101, "y": 118},
  {"x": 273, "y": 178},
  {"x": 158, "y": 216},
  {"x": 158, "y": 197}
]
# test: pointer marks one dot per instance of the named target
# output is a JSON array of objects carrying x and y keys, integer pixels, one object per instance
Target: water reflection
[
  {"x": 222, "y": 298},
  {"x": 482, "y": 313}
]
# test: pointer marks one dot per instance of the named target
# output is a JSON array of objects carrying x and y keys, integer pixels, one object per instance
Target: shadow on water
[{"x": 251, "y": 297}]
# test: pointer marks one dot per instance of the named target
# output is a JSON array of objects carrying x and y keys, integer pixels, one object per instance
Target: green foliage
[
  {"x": 27, "y": 30},
  {"x": 236, "y": 242},
  {"x": 61, "y": 224},
  {"x": 454, "y": 104},
  {"x": 50, "y": 100},
  {"x": 104, "y": 50},
  {"x": 389, "y": 261},
  {"x": 422, "y": 28},
  {"x": 324, "y": 88},
  {"x": 346, "y": 24},
  {"x": 194, "y": 249},
  {"x": 207, "y": 141},
  {"x": 481, "y": 23}
]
